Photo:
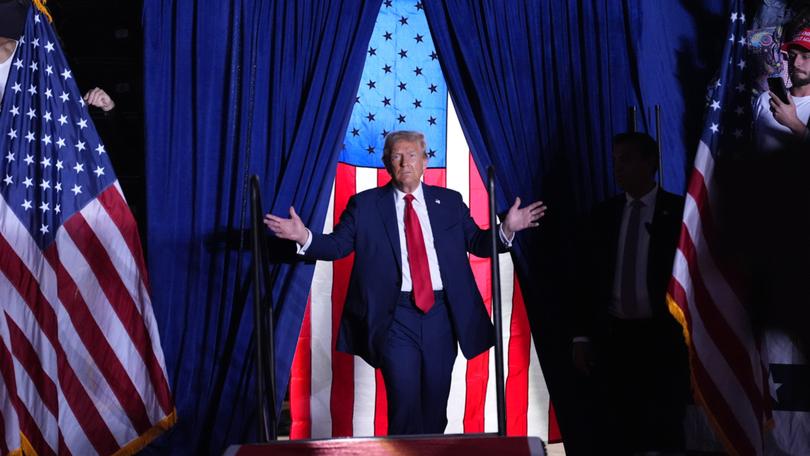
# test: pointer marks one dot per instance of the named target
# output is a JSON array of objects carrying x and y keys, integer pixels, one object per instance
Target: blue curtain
[
  {"x": 540, "y": 88},
  {"x": 240, "y": 87}
]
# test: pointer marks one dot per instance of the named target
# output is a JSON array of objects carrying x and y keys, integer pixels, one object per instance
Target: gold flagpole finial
[{"x": 40, "y": 4}]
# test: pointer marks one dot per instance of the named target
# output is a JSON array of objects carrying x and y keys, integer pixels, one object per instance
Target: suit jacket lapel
[
  {"x": 663, "y": 217},
  {"x": 617, "y": 209},
  {"x": 438, "y": 219},
  {"x": 387, "y": 210},
  {"x": 663, "y": 212}
]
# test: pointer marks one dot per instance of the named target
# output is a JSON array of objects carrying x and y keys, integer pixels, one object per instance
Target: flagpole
[
  {"x": 263, "y": 321},
  {"x": 660, "y": 147},
  {"x": 496, "y": 307}
]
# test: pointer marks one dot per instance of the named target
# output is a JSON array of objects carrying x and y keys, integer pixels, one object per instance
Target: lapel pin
[{"x": 438, "y": 202}]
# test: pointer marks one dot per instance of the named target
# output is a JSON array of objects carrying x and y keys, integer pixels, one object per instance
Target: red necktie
[{"x": 417, "y": 258}]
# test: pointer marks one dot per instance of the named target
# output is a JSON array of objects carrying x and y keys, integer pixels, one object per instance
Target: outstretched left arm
[{"x": 518, "y": 219}]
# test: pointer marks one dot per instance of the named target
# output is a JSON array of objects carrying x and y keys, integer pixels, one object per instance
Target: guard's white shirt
[{"x": 647, "y": 211}]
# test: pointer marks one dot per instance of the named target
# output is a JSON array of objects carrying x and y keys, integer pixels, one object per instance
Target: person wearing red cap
[
  {"x": 774, "y": 181},
  {"x": 778, "y": 124}
]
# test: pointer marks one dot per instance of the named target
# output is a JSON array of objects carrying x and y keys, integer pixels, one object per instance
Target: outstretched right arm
[
  {"x": 332, "y": 246},
  {"x": 292, "y": 228}
]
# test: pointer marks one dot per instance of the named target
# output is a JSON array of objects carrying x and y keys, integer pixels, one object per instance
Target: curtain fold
[
  {"x": 540, "y": 88},
  {"x": 267, "y": 87},
  {"x": 237, "y": 88}
]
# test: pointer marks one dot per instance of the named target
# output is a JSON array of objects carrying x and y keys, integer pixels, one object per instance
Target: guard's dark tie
[
  {"x": 628, "y": 285},
  {"x": 417, "y": 258}
]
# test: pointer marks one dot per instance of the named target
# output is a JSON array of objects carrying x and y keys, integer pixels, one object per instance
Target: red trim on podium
[{"x": 428, "y": 445}]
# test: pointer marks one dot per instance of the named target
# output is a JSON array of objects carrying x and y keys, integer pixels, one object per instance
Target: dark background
[{"x": 103, "y": 42}]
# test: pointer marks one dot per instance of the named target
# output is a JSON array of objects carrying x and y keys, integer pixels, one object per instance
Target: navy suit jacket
[
  {"x": 368, "y": 227},
  {"x": 600, "y": 259}
]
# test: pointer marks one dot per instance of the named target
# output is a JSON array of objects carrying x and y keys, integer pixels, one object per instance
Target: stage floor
[{"x": 428, "y": 445}]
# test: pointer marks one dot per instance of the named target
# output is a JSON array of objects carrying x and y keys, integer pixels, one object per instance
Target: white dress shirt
[
  {"x": 427, "y": 233},
  {"x": 644, "y": 309},
  {"x": 420, "y": 208}
]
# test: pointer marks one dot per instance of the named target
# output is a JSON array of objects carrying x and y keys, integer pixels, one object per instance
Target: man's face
[
  {"x": 799, "y": 65},
  {"x": 406, "y": 164},
  {"x": 632, "y": 171},
  {"x": 6, "y": 48}
]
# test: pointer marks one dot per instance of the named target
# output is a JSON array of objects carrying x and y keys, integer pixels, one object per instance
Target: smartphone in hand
[{"x": 777, "y": 86}]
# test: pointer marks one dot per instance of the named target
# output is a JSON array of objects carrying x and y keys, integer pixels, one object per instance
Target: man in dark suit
[
  {"x": 626, "y": 340},
  {"x": 412, "y": 296}
]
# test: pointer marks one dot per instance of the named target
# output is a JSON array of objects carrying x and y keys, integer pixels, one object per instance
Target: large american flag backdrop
[
  {"x": 81, "y": 366},
  {"x": 333, "y": 394},
  {"x": 705, "y": 294}
]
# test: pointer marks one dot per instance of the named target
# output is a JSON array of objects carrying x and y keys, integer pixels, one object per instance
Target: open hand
[
  {"x": 292, "y": 228},
  {"x": 518, "y": 219}
]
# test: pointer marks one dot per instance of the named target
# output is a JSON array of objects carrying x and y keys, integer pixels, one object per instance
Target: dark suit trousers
[
  {"x": 417, "y": 362},
  {"x": 645, "y": 376}
]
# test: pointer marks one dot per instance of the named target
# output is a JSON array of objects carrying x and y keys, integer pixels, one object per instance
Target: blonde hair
[{"x": 402, "y": 135}]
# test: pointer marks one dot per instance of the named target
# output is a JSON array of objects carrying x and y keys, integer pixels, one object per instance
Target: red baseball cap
[{"x": 800, "y": 38}]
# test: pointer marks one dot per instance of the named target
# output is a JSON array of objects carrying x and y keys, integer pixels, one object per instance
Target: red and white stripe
[
  {"x": 704, "y": 295},
  {"x": 335, "y": 395},
  {"x": 82, "y": 366}
]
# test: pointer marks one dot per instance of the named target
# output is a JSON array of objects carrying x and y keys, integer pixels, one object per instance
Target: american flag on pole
[
  {"x": 333, "y": 394},
  {"x": 81, "y": 367},
  {"x": 705, "y": 293}
]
